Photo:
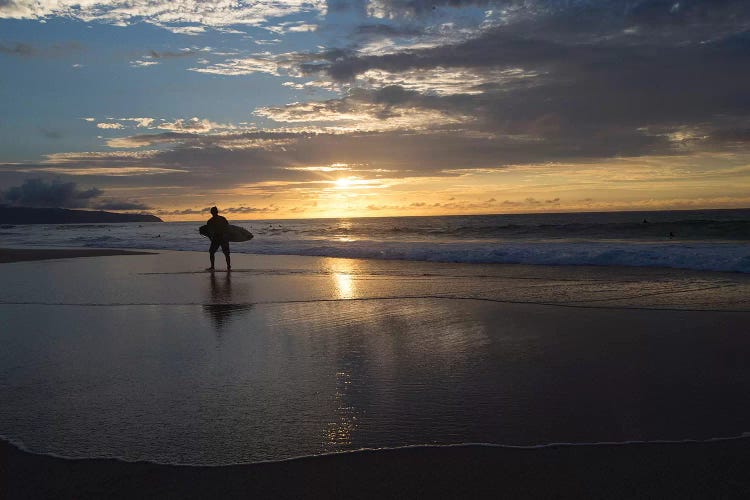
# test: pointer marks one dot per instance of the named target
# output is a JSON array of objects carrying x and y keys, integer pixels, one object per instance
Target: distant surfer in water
[{"x": 218, "y": 228}]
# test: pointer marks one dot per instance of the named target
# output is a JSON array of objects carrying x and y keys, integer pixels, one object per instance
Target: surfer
[{"x": 217, "y": 229}]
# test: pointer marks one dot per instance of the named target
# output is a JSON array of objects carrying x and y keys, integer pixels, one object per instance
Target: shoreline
[
  {"x": 10, "y": 255},
  {"x": 344, "y": 299},
  {"x": 646, "y": 287},
  {"x": 686, "y": 470}
]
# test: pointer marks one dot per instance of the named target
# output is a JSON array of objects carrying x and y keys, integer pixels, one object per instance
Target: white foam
[
  {"x": 745, "y": 435},
  {"x": 699, "y": 255}
]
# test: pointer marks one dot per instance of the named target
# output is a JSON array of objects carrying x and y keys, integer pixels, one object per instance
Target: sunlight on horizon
[{"x": 331, "y": 130}]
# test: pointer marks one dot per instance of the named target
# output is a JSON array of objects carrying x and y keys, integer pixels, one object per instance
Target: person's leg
[
  {"x": 225, "y": 249},
  {"x": 212, "y": 252}
]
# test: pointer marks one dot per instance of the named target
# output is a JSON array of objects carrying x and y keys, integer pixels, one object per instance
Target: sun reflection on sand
[
  {"x": 339, "y": 432},
  {"x": 344, "y": 285},
  {"x": 343, "y": 280}
]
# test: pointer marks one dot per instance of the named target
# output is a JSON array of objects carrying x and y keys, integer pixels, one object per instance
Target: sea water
[
  {"x": 716, "y": 240},
  {"x": 154, "y": 360}
]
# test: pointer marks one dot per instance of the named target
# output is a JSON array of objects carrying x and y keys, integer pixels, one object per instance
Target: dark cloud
[
  {"x": 382, "y": 30},
  {"x": 396, "y": 8},
  {"x": 120, "y": 205},
  {"x": 206, "y": 140},
  {"x": 18, "y": 49},
  {"x": 594, "y": 80},
  {"x": 215, "y": 161},
  {"x": 249, "y": 210},
  {"x": 686, "y": 12},
  {"x": 230, "y": 210},
  {"x": 23, "y": 49},
  {"x": 187, "y": 211},
  {"x": 50, "y": 134},
  {"x": 38, "y": 193},
  {"x": 595, "y": 87},
  {"x": 345, "y": 5}
]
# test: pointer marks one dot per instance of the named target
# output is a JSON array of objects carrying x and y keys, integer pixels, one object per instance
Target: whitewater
[{"x": 715, "y": 240}]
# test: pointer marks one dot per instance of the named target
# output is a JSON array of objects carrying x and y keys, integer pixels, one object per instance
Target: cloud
[
  {"x": 551, "y": 86},
  {"x": 100, "y": 158},
  {"x": 38, "y": 193},
  {"x": 241, "y": 66},
  {"x": 141, "y": 63},
  {"x": 230, "y": 210},
  {"x": 287, "y": 63},
  {"x": 303, "y": 28},
  {"x": 400, "y": 8},
  {"x": 187, "y": 16},
  {"x": 57, "y": 194},
  {"x": 186, "y": 211},
  {"x": 22, "y": 49},
  {"x": 442, "y": 81},
  {"x": 538, "y": 82},
  {"x": 193, "y": 124},
  {"x": 249, "y": 210},
  {"x": 109, "y": 125},
  {"x": 390, "y": 108},
  {"x": 154, "y": 57},
  {"x": 50, "y": 134},
  {"x": 168, "y": 54},
  {"x": 285, "y": 154},
  {"x": 381, "y": 30},
  {"x": 529, "y": 202},
  {"x": 143, "y": 122},
  {"x": 452, "y": 205},
  {"x": 18, "y": 49},
  {"x": 104, "y": 171},
  {"x": 186, "y": 30},
  {"x": 262, "y": 140}
]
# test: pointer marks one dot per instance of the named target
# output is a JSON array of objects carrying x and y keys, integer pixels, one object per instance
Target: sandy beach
[{"x": 148, "y": 358}]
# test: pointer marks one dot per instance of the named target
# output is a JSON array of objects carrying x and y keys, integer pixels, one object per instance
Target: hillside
[{"x": 27, "y": 215}]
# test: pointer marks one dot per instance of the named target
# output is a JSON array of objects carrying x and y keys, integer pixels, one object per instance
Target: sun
[{"x": 344, "y": 182}]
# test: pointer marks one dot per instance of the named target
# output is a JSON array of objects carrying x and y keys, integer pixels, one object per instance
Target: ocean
[
  {"x": 715, "y": 240},
  {"x": 151, "y": 358}
]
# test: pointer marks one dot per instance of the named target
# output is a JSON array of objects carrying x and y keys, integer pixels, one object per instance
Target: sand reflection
[
  {"x": 223, "y": 305},
  {"x": 343, "y": 280},
  {"x": 340, "y": 431}
]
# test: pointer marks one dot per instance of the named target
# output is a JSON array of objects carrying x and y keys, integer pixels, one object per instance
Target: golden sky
[{"x": 374, "y": 107}]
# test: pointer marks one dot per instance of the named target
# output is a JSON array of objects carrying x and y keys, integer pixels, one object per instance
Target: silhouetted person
[{"x": 218, "y": 228}]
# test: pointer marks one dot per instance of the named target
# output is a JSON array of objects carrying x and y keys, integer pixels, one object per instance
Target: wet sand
[
  {"x": 694, "y": 470},
  {"x": 123, "y": 307},
  {"x": 8, "y": 255}
]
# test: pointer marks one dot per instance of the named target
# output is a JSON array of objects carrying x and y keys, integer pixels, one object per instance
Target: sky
[{"x": 292, "y": 109}]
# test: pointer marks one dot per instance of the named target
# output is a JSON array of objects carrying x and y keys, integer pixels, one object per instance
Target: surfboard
[{"x": 237, "y": 234}]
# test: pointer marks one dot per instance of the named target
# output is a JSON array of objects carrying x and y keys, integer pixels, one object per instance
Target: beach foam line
[
  {"x": 571, "y": 305},
  {"x": 19, "y": 444},
  {"x": 390, "y": 274}
]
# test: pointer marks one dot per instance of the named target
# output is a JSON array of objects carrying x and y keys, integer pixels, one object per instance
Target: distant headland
[{"x": 28, "y": 215}]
